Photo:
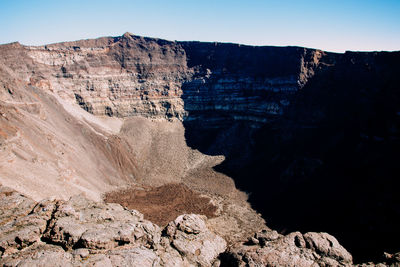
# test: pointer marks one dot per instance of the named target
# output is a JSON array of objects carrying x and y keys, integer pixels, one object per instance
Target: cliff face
[
  {"x": 310, "y": 134},
  {"x": 243, "y": 82},
  {"x": 130, "y": 75},
  {"x": 121, "y": 76}
]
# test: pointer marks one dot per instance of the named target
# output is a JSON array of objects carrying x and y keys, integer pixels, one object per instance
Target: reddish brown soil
[{"x": 163, "y": 204}]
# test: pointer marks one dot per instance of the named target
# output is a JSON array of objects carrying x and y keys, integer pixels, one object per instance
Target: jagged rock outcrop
[
  {"x": 82, "y": 232},
  {"x": 268, "y": 248}
]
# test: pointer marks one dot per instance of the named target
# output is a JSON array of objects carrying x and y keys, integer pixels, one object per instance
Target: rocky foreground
[{"x": 80, "y": 232}]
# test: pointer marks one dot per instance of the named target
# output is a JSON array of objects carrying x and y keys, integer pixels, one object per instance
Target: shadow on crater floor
[{"x": 330, "y": 164}]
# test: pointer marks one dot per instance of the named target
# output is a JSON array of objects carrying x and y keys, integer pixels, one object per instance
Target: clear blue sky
[{"x": 333, "y": 25}]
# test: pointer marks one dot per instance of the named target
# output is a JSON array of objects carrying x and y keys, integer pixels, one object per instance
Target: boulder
[
  {"x": 268, "y": 248},
  {"x": 190, "y": 236}
]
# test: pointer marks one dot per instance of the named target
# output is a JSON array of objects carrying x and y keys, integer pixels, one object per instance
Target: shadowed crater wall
[{"x": 317, "y": 149}]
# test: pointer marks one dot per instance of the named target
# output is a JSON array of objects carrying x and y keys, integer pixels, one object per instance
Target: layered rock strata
[{"x": 131, "y": 75}]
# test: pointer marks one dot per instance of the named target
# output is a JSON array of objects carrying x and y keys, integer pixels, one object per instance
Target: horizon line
[{"x": 200, "y": 41}]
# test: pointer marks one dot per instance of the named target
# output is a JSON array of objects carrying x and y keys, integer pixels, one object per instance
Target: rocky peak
[{"x": 127, "y": 35}]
